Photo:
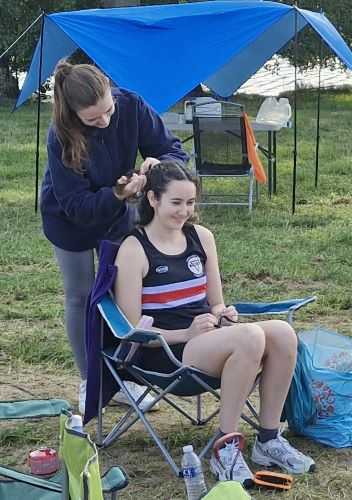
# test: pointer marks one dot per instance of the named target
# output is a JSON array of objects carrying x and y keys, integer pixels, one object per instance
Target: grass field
[{"x": 269, "y": 254}]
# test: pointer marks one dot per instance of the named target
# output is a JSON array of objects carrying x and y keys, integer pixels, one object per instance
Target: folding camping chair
[
  {"x": 182, "y": 381},
  {"x": 79, "y": 477},
  {"x": 220, "y": 149}
]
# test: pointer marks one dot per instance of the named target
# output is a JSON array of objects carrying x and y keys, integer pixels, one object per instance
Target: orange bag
[{"x": 254, "y": 160}]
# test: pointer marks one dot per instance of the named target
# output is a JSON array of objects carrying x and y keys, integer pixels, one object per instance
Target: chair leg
[
  {"x": 100, "y": 401},
  {"x": 250, "y": 194},
  {"x": 209, "y": 445},
  {"x": 252, "y": 410},
  {"x": 140, "y": 415},
  {"x": 100, "y": 406},
  {"x": 199, "y": 407},
  {"x": 200, "y": 188}
]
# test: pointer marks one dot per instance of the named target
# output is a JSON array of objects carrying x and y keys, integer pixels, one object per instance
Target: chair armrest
[
  {"x": 32, "y": 408},
  {"x": 29, "y": 479},
  {"x": 142, "y": 336},
  {"x": 114, "y": 479},
  {"x": 123, "y": 330},
  {"x": 119, "y": 325},
  {"x": 280, "y": 307},
  {"x": 168, "y": 351}
]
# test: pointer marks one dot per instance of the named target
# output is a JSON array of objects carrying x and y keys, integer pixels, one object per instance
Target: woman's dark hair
[
  {"x": 76, "y": 87},
  {"x": 158, "y": 179}
]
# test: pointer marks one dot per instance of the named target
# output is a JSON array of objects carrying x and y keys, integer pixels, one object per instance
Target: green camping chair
[
  {"x": 79, "y": 477},
  {"x": 80, "y": 459}
]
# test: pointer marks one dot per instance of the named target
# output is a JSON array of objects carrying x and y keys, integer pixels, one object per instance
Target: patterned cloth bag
[{"x": 319, "y": 403}]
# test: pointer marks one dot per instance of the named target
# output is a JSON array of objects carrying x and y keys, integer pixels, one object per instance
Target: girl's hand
[
  {"x": 148, "y": 163},
  {"x": 227, "y": 316},
  {"x": 201, "y": 324},
  {"x": 127, "y": 187},
  {"x": 145, "y": 322}
]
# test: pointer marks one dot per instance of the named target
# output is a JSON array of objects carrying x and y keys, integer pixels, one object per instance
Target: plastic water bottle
[
  {"x": 76, "y": 423},
  {"x": 193, "y": 474},
  {"x": 286, "y": 110}
]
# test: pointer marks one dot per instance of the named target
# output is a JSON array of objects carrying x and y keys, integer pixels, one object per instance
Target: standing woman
[{"x": 93, "y": 141}]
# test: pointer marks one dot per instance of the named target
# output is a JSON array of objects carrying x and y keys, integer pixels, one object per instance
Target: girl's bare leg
[
  {"x": 278, "y": 365},
  {"x": 233, "y": 353}
]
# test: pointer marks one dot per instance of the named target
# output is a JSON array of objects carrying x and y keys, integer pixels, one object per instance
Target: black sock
[{"x": 265, "y": 435}]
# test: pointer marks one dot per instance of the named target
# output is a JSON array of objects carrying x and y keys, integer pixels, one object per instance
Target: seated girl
[{"x": 170, "y": 268}]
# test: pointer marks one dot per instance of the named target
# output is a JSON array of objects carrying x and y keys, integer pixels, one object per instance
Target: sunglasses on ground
[{"x": 274, "y": 480}]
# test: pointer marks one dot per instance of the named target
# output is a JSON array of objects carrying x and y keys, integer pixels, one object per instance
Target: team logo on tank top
[
  {"x": 161, "y": 269},
  {"x": 195, "y": 265}
]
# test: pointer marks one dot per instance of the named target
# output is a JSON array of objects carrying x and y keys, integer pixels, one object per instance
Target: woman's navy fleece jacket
[{"x": 78, "y": 211}]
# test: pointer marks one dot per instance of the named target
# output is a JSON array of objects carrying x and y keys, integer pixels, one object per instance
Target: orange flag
[{"x": 254, "y": 160}]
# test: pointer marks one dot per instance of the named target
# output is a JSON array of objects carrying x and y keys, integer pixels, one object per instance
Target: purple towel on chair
[{"x": 104, "y": 282}]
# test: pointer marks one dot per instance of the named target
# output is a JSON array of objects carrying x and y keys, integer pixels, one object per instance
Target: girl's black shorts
[{"x": 156, "y": 359}]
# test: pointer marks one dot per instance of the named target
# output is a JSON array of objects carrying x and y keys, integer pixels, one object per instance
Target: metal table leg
[
  {"x": 270, "y": 163},
  {"x": 274, "y": 162}
]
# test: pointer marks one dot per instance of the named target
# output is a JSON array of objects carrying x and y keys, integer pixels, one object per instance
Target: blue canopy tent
[{"x": 162, "y": 52}]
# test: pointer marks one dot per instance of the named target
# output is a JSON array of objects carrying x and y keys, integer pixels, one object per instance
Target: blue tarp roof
[{"x": 162, "y": 52}]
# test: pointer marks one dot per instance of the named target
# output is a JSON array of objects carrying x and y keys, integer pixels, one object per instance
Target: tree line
[
  {"x": 16, "y": 16},
  {"x": 310, "y": 49}
]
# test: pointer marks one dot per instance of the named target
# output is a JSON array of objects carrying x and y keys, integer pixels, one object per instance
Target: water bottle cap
[
  {"x": 188, "y": 448},
  {"x": 76, "y": 421}
]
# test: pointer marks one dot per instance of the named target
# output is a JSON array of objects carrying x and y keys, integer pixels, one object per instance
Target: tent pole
[
  {"x": 21, "y": 35},
  {"x": 318, "y": 117},
  {"x": 294, "y": 180},
  {"x": 38, "y": 112}
]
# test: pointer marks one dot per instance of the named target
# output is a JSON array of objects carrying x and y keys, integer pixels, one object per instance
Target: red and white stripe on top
[{"x": 174, "y": 294}]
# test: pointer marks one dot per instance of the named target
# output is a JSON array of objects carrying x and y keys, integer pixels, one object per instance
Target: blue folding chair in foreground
[{"x": 119, "y": 356}]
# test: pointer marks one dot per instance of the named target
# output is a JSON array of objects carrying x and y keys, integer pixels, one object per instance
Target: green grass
[{"x": 266, "y": 255}]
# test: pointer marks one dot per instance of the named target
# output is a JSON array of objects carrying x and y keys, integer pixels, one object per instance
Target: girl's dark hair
[
  {"x": 158, "y": 179},
  {"x": 76, "y": 87}
]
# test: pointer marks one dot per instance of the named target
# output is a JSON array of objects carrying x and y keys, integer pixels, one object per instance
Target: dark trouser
[
  {"x": 77, "y": 269},
  {"x": 78, "y": 272}
]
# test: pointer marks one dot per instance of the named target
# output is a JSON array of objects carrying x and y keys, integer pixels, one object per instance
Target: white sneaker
[
  {"x": 136, "y": 392},
  {"x": 279, "y": 452},
  {"x": 231, "y": 465},
  {"x": 82, "y": 397}
]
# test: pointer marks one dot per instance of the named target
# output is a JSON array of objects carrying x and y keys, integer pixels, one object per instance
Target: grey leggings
[{"x": 77, "y": 269}]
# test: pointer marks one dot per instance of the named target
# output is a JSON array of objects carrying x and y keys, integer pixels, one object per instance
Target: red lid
[{"x": 42, "y": 453}]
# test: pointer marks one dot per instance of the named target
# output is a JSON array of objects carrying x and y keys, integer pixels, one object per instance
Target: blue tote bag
[{"x": 319, "y": 403}]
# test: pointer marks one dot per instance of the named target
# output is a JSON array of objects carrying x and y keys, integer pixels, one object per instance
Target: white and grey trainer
[
  {"x": 136, "y": 391},
  {"x": 231, "y": 465},
  {"x": 279, "y": 452}
]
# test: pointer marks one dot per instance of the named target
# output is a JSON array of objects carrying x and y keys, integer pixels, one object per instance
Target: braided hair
[{"x": 158, "y": 179}]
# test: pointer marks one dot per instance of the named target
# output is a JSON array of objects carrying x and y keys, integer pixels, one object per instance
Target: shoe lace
[
  {"x": 135, "y": 389},
  {"x": 231, "y": 459},
  {"x": 288, "y": 448}
]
